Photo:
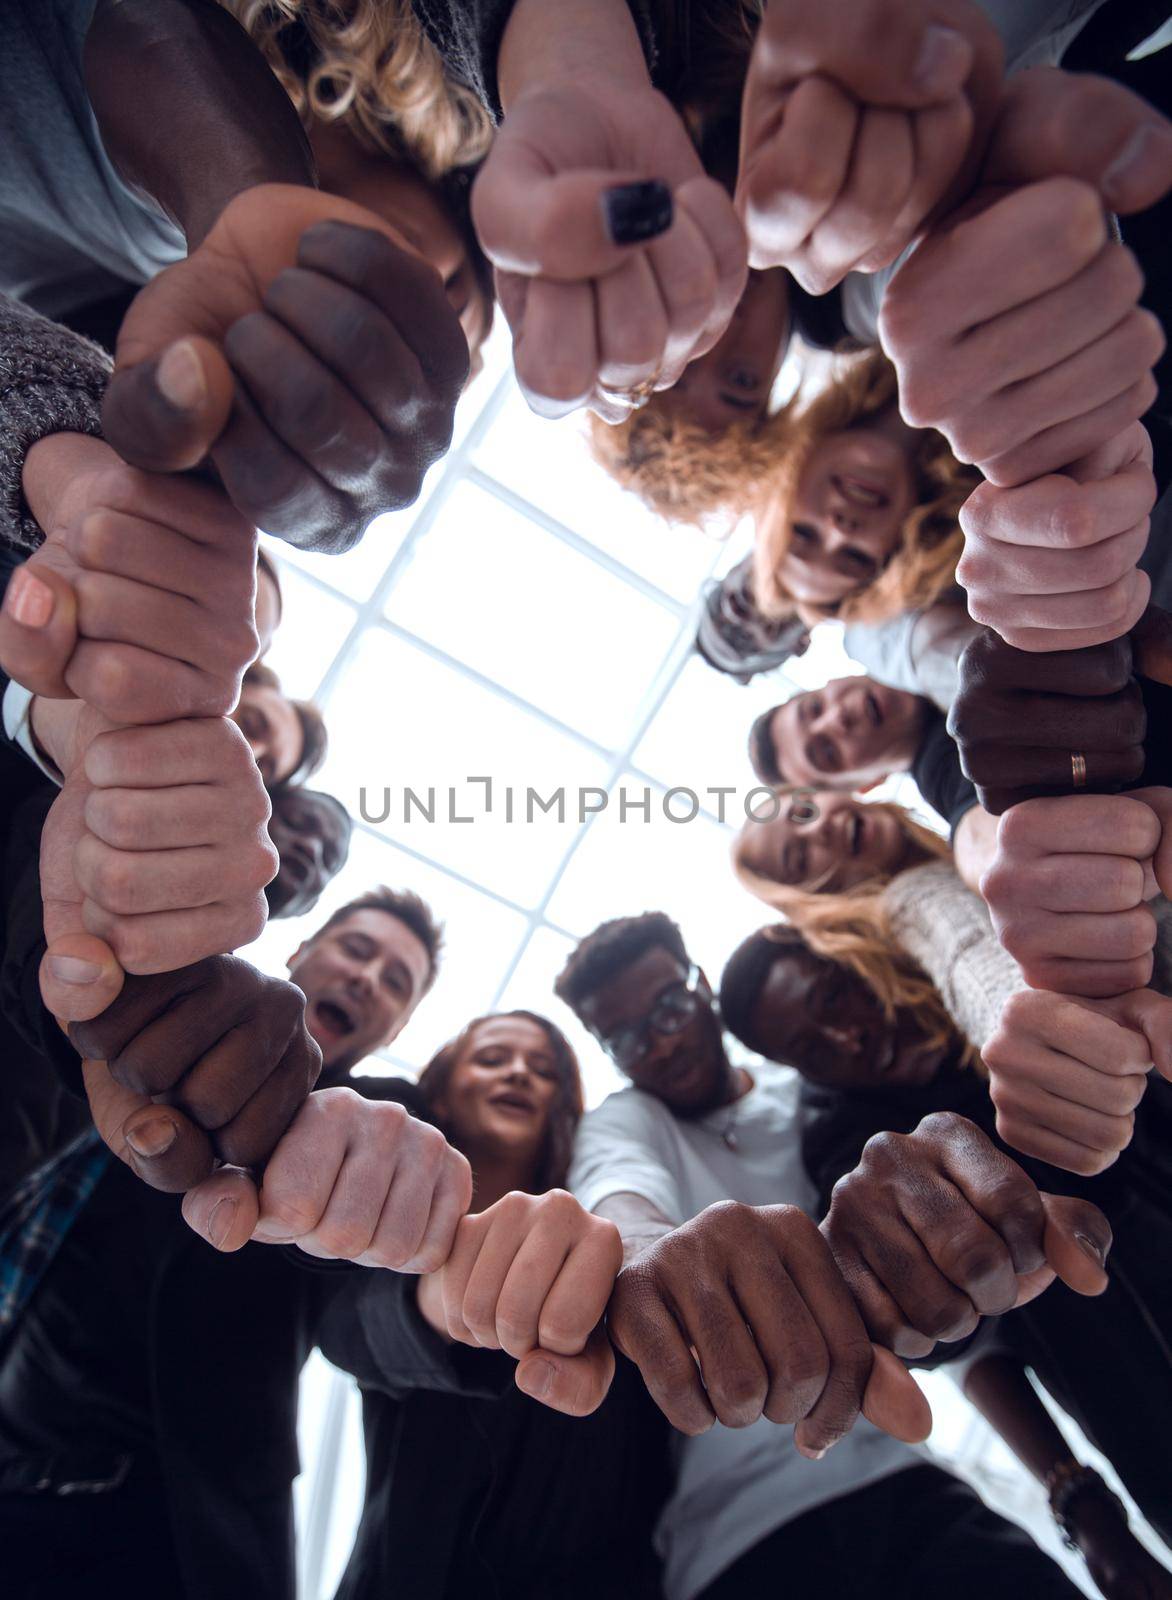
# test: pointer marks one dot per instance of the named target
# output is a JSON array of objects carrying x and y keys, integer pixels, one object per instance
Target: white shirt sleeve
[
  {"x": 18, "y": 702},
  {"x": 618, "y": 1150}
]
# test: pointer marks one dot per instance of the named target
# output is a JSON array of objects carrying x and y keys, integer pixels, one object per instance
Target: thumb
[
  {"x": 38, "y": 629},
  {"x": 79, "y": 975},
  {"x": 1077, "y": 1242},
  {"x": 164, "y": 413},
  {"x": 575, "y": 1385},
  {"x": 1148, "y": 1013},
  {"x": 156, "y": 1141},
  {"x": 894, "y": 1401},
  {"x": 223, "y": 1209},
  {"x": 1159, "y": 799}
]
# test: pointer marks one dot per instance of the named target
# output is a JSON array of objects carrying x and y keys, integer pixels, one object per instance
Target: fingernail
[
  {"x": 539, "y": 1376},
  {"x": 152, "y": 1138},
  {"x": 944, "y": 60},
  {"x": 220, "y": 1221},
  {"x": 1091, "y": 1248},
  {"x": 179, "y": 376},
  {"x": 28, "y": 600},
  {"x": 637, "y": 211},
  {"x": 1149, "y": 146},
  {"x": 269, "y": 1233},
  {"x": 72, "y": 969}
]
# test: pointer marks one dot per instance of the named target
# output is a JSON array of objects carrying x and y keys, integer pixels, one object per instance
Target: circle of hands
[{"x": 1014, "y": 325}]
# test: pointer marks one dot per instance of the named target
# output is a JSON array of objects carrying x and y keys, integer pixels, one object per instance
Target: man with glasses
[{"x": 742, "y": 1324}]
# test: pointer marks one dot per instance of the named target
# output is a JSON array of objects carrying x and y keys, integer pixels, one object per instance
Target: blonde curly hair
[
  {"x": 923, "y": 566},
  {"x": 371, "y": 68},
  {"x": 685, "y": 473},
  {"x": 853, "y": 929}
]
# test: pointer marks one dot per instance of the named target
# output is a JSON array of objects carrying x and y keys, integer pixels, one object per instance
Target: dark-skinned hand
[
  {"x": 217, "y": 1043},
  {"x": 935, "y": 1229},
  {"x": 309, "y": 350},
  {"x": 742, "y": 1313},
  {"x": 1119, "y": 1565},
  {"x": 1019, "y": 716}
]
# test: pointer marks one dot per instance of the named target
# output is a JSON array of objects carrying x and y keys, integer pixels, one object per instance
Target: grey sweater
[{"x": 51, "y": 381}]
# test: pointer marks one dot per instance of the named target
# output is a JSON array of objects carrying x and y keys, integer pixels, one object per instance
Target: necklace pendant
[{"x": 729, "y": 1138}]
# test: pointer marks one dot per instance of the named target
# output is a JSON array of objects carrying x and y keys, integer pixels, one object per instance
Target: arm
[
  {"x": 51, "y": 381},
  {"x": 1090, "y": 1516},
  {"x": 945, "y": 929},
  {"x": 188, "y": 109}
]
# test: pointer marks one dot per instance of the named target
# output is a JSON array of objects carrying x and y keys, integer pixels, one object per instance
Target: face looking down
[
  {"x": 312, "y": 834},
  {"x": 823, "y": 840},
  {"x": 823, "y": 1019},
  {"x": 657, "y": 1022},
  {"x": 362, "y": 978},
  {"x": 851, "y": 734},
  {"x": 500, "y": 1092}
]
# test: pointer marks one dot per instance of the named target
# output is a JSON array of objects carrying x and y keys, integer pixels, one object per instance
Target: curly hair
[
  {"x": 923, "y": 565},
  {"x": 368, "y": 65},
  {"x": 852, "y": 926},
  {"x": 565, "y": 1112},
  {"x": 612, "y": 948},
  {"x": 684, "y": 473}
]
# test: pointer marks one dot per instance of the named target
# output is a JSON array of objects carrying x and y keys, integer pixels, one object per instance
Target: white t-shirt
[{"x": 735, "y": 1485}]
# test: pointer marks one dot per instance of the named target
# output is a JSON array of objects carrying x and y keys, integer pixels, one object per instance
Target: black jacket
[{"x": 475, "y": 1489}]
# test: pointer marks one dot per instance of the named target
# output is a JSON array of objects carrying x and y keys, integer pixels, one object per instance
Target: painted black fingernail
[{"x": 637, "y": 211}]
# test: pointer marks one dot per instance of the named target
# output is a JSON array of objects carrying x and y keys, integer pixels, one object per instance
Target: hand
[
  {"x": 1052, "y": 565},
  {"x": 1020, "y": 717},
  {"x": 140, "y": 600},
  {"x": 618, "y": 260},
  {"x": 935, "y": 1229},
  {"x": 309, "y": 350},
  {"x": 859, "y": 118},
  {"x": 1066, "y": 1075},
  {"x": 741, "y": 1313},
  {"x": 219, "y": 1042},
  {"x": 1119, "y": 1565},
  {"x": 355, "y": 1180},
  {"x": 1052, "y": 123},
  {"x": 156, "y": 845},
  {"x": 1067, "y": 885},
  {"x": 533, "y": 1273},
  {"x": 1017, "y": 333}
]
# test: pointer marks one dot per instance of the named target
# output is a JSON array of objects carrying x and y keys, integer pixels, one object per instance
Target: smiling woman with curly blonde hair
[{"x": 859, "y": 521}]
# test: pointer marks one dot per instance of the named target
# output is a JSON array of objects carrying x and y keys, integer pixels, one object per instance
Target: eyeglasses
[{"x": 671, "y": 1014}]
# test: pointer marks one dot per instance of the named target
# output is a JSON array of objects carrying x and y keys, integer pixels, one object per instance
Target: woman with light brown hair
[{"x": 858, "y": 522}]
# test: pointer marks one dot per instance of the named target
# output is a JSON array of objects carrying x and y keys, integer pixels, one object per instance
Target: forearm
[
  {"x": 999, "y": 1389},
  {"x": 591, "y": 36},
  {"x": 51, "y": 382},
  {"x": 639, "y": 1221},
  {"x": 188, "y": 110}
]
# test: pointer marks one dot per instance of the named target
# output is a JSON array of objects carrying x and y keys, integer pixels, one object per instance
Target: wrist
[
  {"x": 188, "y": 108},
  {"x": 1075, "y": 1491},
  {"x": 592, "y": 38},
  {"x": 52, "y": 467}
]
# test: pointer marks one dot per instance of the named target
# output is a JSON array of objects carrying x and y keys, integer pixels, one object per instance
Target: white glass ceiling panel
[
  {"x": 314, "y": 625},
  {"x": 700, "y": 735},
  {"x": 533, "y": 614},
  {"x": 622, "y": 868},
  {"x": 550, "y": 464},
  {"x": 400, "y": 719}
]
